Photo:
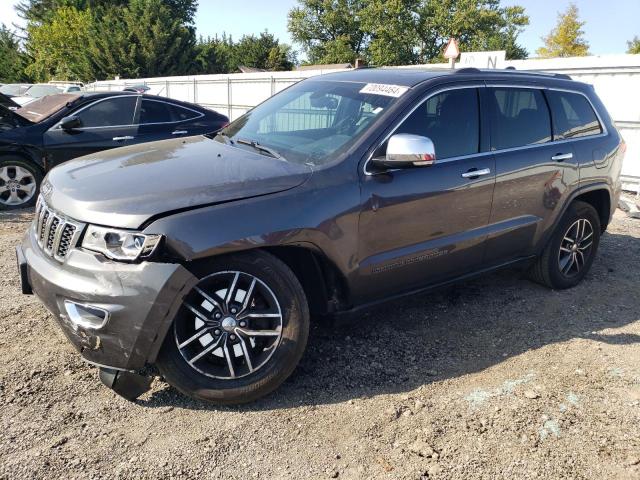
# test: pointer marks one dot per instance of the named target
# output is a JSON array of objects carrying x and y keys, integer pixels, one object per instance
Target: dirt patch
[{"x": 495, "y": 378}]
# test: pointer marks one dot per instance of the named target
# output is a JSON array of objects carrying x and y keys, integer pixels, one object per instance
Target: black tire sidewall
[
  {"x": 37, "y": 175},
  {"x": 576, "y": 211},
  {"x": 279, "y": 278}
]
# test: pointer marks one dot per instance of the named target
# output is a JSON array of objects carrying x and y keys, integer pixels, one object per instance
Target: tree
[
  {"x": 12, "y": 59},
  {"x": 634, "y": 45},
  {"x": 263, "y": 51},
  {"x": 40, "y": 11},
  {"x": 396, "y": 32},
  {"x": 58, "y": 47},
  {"x": 329, "y": 31},
  {"x": 213, "y": 55},
  {"x": 567, "y": 38},
  {"x": 144, "y": 39}
]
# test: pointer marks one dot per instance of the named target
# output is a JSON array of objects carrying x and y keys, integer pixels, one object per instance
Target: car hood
[{"x": 127, "y": 186}]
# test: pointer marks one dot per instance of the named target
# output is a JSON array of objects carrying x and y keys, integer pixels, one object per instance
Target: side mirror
[
  {"x": 407, "y": 150},
  {"x": 69, "y": 123}
]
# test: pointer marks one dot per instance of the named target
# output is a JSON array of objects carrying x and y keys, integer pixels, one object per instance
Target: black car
[
  {"x": 208, "y": 258},
  {"x": 57, "y": 128}
]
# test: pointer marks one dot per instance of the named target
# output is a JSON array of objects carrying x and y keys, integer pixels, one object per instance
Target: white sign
[
  {"x": 384, "y": 89},
  {"x": 483, "y": 59},
  {"x": 452, "y": 50}
]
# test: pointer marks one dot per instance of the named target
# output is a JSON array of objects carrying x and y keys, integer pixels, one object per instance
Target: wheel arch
[
  {"x": 324, "y": 285},
  {"x": 600, "y": 199}
]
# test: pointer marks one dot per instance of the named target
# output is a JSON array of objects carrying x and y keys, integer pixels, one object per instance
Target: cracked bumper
[{"x": 141, "y": 300}]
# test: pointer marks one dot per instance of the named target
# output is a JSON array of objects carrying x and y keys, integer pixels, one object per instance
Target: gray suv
[{"x": 206, "y": 257}]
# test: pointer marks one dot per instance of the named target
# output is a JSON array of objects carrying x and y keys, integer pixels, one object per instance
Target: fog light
[{"x": 86, "y": 316}]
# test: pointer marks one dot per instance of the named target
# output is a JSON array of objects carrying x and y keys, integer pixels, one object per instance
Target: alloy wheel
[
  {"x": 230, "y": 325},
  {"x": 576, "y": 247},
  {"x": 17, "y": 185}
]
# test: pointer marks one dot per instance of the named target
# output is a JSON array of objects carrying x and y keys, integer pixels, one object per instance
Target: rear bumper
[{"x": 141, "y": 301}]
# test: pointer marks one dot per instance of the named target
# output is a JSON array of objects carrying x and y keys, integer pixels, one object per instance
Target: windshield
[
  {"x": 13, "y": 90},
  {"x": 311, "y": 122},
  {"x": 38, "y": 91},
  {"x": 44, "y": 107}
]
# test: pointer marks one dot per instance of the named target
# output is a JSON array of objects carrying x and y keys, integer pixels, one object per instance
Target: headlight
[{"x": 119, "y": 244}]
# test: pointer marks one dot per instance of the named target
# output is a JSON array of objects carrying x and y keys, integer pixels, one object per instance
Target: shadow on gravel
[
  {"x": 23, "y": 215},
  {"x": 409, "y": 343}
]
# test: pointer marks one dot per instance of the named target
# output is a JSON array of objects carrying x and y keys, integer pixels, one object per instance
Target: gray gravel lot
[{"x": 494, "y": 378}]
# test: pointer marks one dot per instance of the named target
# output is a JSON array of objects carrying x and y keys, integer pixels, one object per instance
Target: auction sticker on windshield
[{"x": 384, "y": 89}]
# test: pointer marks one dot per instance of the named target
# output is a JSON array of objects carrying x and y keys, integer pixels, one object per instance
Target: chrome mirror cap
[{"x": 408, "y": 150}]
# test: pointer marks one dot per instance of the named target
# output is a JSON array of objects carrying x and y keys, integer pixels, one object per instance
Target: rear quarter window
[{"x": 573, "y": 116}]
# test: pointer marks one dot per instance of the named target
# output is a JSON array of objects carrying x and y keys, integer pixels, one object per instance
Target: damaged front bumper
[{"x": 115, "y": 314}]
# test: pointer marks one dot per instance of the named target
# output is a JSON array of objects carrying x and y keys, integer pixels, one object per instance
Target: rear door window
[
  {"x": 520, "y": 118},
  {"x": 152, "y": 111},
  {"x": 116, "y": 111},
  {"x": 573, "y": 116},
  {"x": 451, "y": 120}
]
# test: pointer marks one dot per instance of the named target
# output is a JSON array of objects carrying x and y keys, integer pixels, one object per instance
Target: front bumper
[{"x": 141, "y": 300}]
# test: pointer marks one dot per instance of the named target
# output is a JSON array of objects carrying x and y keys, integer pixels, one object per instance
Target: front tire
[
  {"x": 19, "y": 183},
  {"x": 569, "y": 255},
  {"x": 239, "y": 333}
]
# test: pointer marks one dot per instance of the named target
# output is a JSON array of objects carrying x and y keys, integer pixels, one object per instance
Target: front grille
[{"x": 56, "y": 234}]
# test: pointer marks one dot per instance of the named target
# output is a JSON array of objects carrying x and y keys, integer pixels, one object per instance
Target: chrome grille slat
[{"x": 56, "y": 234}]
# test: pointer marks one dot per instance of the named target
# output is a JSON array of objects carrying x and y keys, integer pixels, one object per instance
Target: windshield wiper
[{"x": 258, "y": 146}]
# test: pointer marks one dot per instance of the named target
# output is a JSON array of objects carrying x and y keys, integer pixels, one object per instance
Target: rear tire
[
  {"x": 19, "y": 183},
  {"x": 570, "y": 253},
  {"x": 239, "y": 358}
]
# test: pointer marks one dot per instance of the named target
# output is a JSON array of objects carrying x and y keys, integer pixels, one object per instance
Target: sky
[{"x": 610, "y": 24}]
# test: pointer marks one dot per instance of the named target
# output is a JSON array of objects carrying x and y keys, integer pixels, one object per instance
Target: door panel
[
  {"x": 533, "y": 174},
  {"x": 425, "y": 225},
  {"x": 107, "y": 123}
]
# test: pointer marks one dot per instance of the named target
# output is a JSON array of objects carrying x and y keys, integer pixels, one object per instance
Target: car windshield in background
[
  {"x": 13, "y": 89},
  {"x": 310, "y": 122},
  {"x": 44, "y": 107},
  {"x": 38, "y": 91}
]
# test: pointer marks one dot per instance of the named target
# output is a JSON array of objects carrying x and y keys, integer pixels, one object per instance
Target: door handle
[
  {"x": 562, "y": 156},
  {"x": 179, "y": 132},
  {"x": 476, "y": 173},
  {"x": 122, "y": 139}
]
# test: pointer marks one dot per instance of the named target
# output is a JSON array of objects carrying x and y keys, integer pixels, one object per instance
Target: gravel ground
[{"x": 495, "y": 378}]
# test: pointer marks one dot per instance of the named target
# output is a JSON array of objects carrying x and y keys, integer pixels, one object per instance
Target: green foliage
[
  {"x": 329, "y": 31},
  {"x": 396, "y": 32},
  {"x": 12, "y": 60},
  {"x": 58, "y": 47},
  {"x": 634, "y": 45},
  {"x": 567, "y": 38},
  {"x": 263, "y": 51},
  {"x": 144, "y": 39}
]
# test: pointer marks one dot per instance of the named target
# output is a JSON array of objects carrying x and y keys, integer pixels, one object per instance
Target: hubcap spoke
[
  {"x": 260, "y": 333},
  {"x": 197, "y": 335},
  {"x": 245, "y": 352},
  {"x": 197, "y": 312},
  {"x": 211, "y": 347},
  {"x": 247, "y": 297},
  {"x": 4, "y": 174},
  {"x": 232, "y": 289},
  {"x": 209, "y": 298},
  {"x": 232, "y": 371}
]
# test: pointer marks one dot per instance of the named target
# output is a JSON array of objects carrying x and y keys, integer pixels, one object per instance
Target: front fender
[{"x": 324, "y": 217}]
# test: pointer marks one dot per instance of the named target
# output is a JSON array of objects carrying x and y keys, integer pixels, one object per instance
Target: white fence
[{"x": 616, "y": 78}]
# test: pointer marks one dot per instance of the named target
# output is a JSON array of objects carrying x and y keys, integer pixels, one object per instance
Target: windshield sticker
[{"x": 384, "y": 89}]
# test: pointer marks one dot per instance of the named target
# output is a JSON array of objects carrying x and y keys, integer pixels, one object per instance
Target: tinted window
[
  {"x": 162, "y": 112},
  {"x": 155, "y": 112},
  {"x": 573, "y": 116},
  {"x": 109, "y": 113},
  {"x": 520, "y": 117},
  {"x": 179, "y": 114},
  {"x": 451, "y": 120}
]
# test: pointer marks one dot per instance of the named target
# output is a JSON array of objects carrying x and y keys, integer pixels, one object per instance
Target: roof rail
[{"x": 512, "y": 71}]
